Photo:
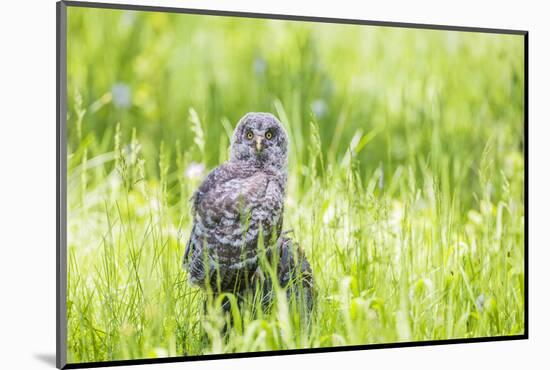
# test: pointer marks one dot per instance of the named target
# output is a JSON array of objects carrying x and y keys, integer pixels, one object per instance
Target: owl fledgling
[{"x": 239, "y": 201}]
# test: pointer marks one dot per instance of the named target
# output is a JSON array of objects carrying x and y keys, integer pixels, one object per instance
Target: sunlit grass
[{"x": 405, "y": 180}]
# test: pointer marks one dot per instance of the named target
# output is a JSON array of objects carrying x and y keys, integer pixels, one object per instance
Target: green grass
[{"x": 405, "y": 179}]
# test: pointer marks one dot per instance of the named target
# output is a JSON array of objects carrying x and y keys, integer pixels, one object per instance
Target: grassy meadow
[{"x": 406, "y": 179}]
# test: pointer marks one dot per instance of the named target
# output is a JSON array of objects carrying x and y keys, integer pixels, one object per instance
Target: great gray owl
[{"x": 240, "y": 202}]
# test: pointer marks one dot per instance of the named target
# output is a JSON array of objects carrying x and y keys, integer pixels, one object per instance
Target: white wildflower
[{"x": 194, "y": 170}]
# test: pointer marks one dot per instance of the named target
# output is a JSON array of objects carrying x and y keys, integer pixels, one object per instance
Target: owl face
[{"x": 259, "y": 138}]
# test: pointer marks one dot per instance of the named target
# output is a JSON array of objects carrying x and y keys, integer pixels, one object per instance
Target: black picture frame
[{"x": 61, "y": 177}]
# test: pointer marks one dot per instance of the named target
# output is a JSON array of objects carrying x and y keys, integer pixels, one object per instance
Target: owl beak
[{"x": 258, "y": 144}]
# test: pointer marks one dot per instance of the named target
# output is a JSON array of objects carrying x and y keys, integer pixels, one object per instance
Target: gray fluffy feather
[{"x": 238, "y": 201}]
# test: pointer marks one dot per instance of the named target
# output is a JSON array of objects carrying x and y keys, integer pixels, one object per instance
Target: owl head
[{"x": 261, "y": 139}]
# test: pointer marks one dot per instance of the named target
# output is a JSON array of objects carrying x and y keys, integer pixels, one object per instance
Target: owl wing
[
  {"x": 294, "y": 271},
  {"x": 294, "y": 275}
]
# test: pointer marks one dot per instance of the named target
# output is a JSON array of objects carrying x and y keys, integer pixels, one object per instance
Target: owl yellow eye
[
  {"x": 249, "y": 135},
  {"x": 268, "y": 135}
]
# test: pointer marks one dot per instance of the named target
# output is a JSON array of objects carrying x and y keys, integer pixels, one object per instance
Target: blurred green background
[
  {"x": 425, "y": 93},
  {"x": 406, "y": 176}
]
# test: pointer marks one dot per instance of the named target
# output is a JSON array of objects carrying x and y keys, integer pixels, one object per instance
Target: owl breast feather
[{"x": 231, "y": 209}]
